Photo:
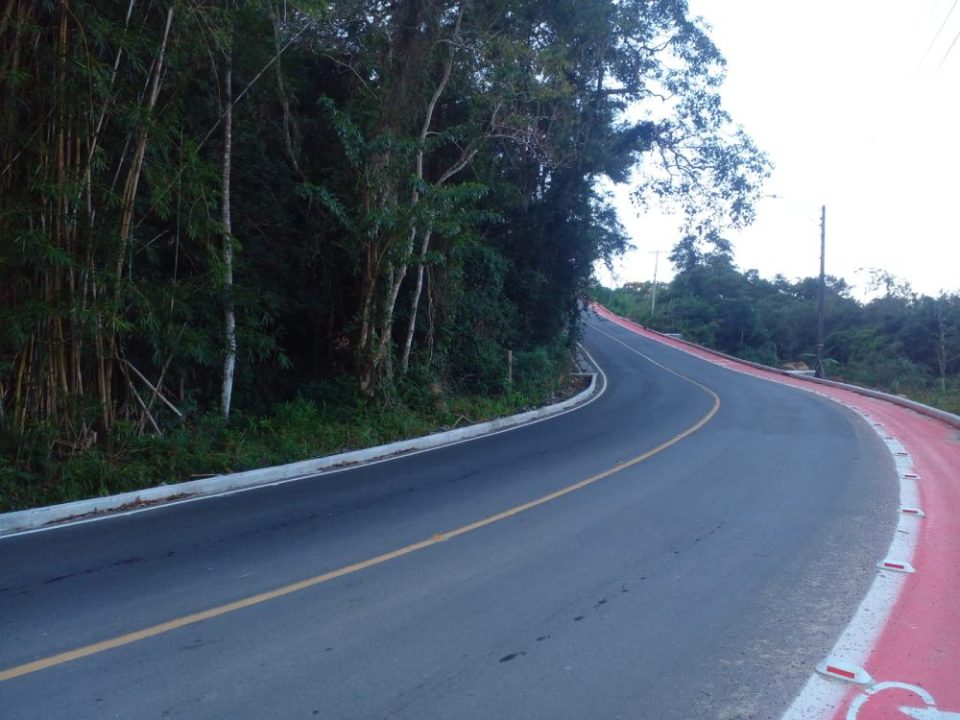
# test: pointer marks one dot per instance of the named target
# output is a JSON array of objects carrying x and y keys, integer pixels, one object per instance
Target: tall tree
[{"x": 229, "y": 311}]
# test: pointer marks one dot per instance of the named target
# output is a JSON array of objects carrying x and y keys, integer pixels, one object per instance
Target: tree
[
  {"x": 220, "y": 206},
  {"x": 229, "y": 311}
]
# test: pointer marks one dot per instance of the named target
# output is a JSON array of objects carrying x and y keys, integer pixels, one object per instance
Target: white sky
[{"x": 854, "y": 115}]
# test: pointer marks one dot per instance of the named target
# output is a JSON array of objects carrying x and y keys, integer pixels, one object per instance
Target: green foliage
[
  {"x": 482, "y": 321},
  {"x": 899, "y": 342},
  {"x": 413, "y": 199},
  {"x": 328, "y": 418},
  {"x": 541, "y": 372}
]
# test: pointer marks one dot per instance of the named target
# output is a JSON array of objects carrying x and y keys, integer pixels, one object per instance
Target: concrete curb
[
  {"x": 942, "y": 415},
  {"x": 937, "y": 414},
  {"x": 36, "y": 518}
]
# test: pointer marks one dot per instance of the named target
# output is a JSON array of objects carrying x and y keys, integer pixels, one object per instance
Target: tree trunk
[
  {"x": 288, "y": 122},
  {"x": 408, "y": 58},
  {"x": 365, "y": 342},
  {"x": 229, "y": 316},
  {"x": 942, "y": 353},
  {"x": 415, "y": 304}
]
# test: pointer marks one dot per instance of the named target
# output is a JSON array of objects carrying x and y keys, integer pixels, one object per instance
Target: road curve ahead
[{"x": 686, "y": 546}]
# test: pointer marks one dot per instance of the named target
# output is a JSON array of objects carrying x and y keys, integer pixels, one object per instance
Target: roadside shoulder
[{"x": 51, "y": 516}]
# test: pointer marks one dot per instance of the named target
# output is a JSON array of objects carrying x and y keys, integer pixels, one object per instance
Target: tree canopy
[
  {"x": 899, "y": 341},
  {"x": 216, "y": 205}
]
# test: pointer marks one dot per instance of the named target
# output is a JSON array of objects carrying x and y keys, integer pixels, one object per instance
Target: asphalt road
[{"x": 704, "y": 581}]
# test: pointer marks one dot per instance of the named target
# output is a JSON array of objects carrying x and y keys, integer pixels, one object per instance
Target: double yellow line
[{"x": 259, "y": 599}]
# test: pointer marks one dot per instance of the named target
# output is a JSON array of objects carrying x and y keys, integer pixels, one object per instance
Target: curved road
[{"x": 703, "y": 579}]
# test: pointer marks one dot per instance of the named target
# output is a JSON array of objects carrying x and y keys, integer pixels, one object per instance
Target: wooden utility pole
[
  {"x": 820, "y": 297},
  {"x": 653, "y": 296}
]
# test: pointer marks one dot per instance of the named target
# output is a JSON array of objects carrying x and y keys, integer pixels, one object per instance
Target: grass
[
  {"x": 948, "y": 400},
  {"x": 322, "y": 421}
]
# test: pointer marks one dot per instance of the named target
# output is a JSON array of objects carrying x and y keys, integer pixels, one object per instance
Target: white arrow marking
[{"x": 929, "y": 714}]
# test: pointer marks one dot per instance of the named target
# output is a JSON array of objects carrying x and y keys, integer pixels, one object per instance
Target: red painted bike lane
[
  {"x": 916, "y": 659},
  {"x": 900, "y": 656}
]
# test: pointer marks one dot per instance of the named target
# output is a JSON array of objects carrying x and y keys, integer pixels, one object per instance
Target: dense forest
[
  {"x": 244, "y": 232},
  {"x": 900, "y": 341}
]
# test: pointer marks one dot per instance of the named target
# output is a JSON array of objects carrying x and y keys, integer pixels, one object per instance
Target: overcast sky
[{"x": 857, "y": 104}]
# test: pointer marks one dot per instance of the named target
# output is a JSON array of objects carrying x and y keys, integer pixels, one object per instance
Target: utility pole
[
  {"x": 820, "y": 299},
  {"x": 653, "y": 296}
]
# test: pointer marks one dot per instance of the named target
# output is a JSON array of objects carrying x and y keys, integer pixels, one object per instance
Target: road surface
[{"x": 704, "y": 578}]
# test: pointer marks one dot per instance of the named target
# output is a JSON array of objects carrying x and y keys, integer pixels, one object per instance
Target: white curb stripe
[
  {"x": 53, "y": 517},
  {"x": 821, "y": 695}
]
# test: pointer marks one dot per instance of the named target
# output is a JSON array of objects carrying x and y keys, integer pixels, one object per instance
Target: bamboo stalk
[
  {"x": 88, "y": 172},
  {"x": 136, "y": 167},
  {"x": 145, "y": 413},
  {"x": 18, "y": 389},
  {"x": 5, "y": 17},
  {"x": 159, "y": 383},
  {"x": 159, "y": 395}
]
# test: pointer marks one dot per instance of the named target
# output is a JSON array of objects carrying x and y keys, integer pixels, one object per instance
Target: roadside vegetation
[
  {"x": 900, "y": 341},
  {"x": 239, "y": 233},
  {"x": 322, "y": 420}
]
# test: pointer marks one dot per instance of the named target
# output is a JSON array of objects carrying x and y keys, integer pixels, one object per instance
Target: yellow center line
[{"x": 220, "y": 610}]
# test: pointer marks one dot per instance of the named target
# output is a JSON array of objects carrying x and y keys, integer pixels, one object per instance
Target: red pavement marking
[
  {"x": 883, "y": 702},
  {"x": 841, "y": 672},
  {"x": 920, "y": 644}
]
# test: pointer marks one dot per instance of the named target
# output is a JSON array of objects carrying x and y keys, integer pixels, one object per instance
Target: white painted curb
[{"x": 21, "y": 520}]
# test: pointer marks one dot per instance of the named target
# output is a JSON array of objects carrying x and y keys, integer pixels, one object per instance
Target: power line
[
  {"x": 949, "y": 50},
  {"x": 933, "y": 10},
  {"x": 936, "y": 37},
  {"x": 797, "y": 206}
]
